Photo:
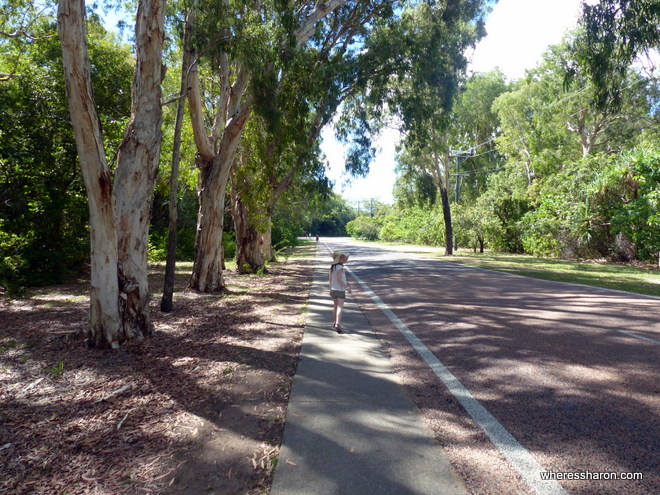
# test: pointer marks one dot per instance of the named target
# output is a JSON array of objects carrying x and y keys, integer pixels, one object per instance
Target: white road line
[
  {"x": 639, "y": 337},
  {"x": 516, "y": 454}
]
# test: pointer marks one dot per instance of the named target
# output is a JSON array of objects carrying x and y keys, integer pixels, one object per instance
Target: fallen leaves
[{"x": 132, "y": 420}]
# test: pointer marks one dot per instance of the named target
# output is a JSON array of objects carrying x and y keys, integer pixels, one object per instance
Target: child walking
[{"x": 338, "y": 287}]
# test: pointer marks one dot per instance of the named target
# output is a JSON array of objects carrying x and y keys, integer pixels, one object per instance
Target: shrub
[{"x": 363, "y": 228}]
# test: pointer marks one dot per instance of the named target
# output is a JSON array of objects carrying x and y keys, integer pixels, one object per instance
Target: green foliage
[
  {"x": 565, "y": 221},
  {"x": 44, "y": 213},
  {"x": 229, "y": 245},
  {"x": 638, "y": 216},
  {"x": 330, "y": 216},
  {"x": 473, "y": 128},
  {"x": 507, "y": 201},
  {"x": 414, "y": 225},
  {"x": 285, "y": 233},
  {"x": 613, "y": 33},
  {"x": 363, "y": 227},
  {"x": 186, "y": 222},
  {"x": 474, "y": 225}
]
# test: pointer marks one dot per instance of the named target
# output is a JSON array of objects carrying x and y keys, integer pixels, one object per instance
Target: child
[{"x": 338, "y": 286}]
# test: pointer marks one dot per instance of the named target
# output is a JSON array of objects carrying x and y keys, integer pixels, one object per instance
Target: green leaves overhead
[{"x": 614, "y": 33}]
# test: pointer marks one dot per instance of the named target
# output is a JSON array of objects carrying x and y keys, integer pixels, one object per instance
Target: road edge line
[{"x": 519, "y": 457}]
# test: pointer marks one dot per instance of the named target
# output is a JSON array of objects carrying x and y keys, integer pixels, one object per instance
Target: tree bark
[
  {"x": 446, "y": 213},
  {"x": 104, "y": 316},
  {"x": 119, "y": 217},
  {"x": 137, "y": 168},
  {"x": 166, "y": 304},
  {"x": 215, "y": 167},
  {"x": 214, "y": 176},
  {"x": 440, "y": 173},
  {"x": 208, "y": 264},
  {"x": 250, "y": 248}
]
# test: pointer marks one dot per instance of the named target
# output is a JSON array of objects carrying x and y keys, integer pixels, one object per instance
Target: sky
[{"x": 519, "y": 31}]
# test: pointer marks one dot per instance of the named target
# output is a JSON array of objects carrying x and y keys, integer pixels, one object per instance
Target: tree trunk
[
  {"x": 214, "y": 176},
  {"x": 446, "y": 213},
  {"x": 137, "y": 168},
  {"x": 440, "y": 173},
  {"x": 104, "y": 317},
  {"x": 250, "y": 252},
  {"x": 166, "y": 304},
  {"x": 119, "y": 218},
  {"x": 208, "y": 265},
  {"x": 215, "y": 168},
  {"x": 267, "y": 240}
]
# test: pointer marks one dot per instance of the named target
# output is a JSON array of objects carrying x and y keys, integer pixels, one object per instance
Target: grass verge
[{"x": 643, "y": 279}]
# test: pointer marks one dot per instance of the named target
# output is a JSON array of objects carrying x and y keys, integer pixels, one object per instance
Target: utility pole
[{"x": 458, "y": 154}]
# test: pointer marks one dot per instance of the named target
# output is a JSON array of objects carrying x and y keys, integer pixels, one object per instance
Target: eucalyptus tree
[
  {"x": 312, "y": 84},
  {"x": 119, "y": 209},
  {"x": 424, "y": 61},
  {"x": 241, "y": 41},
  {"x": 265, "y": 170},
  {"x": 614, "y": 33}
]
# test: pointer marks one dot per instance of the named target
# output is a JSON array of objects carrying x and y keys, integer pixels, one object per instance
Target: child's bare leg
[
  {"x": 334, "y": 311},
  {"x": 339, "y": 311}
]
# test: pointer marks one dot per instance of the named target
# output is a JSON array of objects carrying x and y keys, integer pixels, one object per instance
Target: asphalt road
[{"x": 520, "y": 378}]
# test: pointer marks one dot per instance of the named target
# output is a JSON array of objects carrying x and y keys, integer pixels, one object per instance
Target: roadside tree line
[
  {"x": 559, "y": 163},
  {"x": 236, "y": 92}
]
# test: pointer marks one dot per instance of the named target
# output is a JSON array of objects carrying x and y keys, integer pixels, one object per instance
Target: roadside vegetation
[{"x": 563, "y": 163}]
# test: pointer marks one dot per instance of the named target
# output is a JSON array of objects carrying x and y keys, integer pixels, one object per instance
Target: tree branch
[{"x": 306, "y": 29}]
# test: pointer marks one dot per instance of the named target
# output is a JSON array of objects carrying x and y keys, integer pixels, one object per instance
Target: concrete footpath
[{"x": 350, "y": 427}]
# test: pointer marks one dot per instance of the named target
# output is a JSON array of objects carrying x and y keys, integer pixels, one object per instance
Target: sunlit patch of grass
[
  {"x": 56, "y": 371},
  {"x": 641, "y": 280},
  {"x": 54, "y": 300}
]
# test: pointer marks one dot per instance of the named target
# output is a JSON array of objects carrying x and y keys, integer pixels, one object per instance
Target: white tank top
[{"x": 337, "y": 274}]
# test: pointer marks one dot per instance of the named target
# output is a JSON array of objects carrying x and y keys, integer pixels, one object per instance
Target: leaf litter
[{"x": 199, "y": 408}]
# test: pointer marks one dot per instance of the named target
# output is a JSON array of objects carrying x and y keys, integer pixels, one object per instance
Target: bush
[
  {"x": 363, "y": 228},
  {"x": 415, "y": 226}
]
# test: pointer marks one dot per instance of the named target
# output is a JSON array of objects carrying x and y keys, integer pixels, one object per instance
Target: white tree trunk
[
  {"x": 119, "y": 219},
  {"x": 104, "y": 317},
  {"x": 214, "y": 176},
  {"x": 208, "y": 265},
  {"x": 137, "y": 168}
]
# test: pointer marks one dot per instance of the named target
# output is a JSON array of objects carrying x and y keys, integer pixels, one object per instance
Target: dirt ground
[{"x": 198, "y": 409}]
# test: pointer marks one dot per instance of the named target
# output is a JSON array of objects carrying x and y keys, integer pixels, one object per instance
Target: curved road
[{"x": 520, "y": 378}]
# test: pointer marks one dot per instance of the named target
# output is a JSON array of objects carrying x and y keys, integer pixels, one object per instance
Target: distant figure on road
[
  {"x": 317, "y": 238},
  {"x": 338, "y": 286}
]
